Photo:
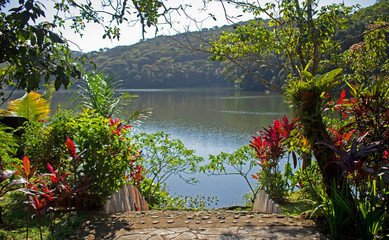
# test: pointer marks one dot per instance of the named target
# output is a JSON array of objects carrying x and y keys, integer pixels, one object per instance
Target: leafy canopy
[{"x": 31, "y": 51}]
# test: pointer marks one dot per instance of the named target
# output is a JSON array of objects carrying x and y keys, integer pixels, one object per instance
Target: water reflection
[{"x": 209, "y": 121}]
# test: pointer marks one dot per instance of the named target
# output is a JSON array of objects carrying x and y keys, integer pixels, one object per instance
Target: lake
[{"x": 209, "y": 121}]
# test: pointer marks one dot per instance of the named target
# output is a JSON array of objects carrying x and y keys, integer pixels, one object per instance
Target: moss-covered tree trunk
[{"x": 310, "y": 115}]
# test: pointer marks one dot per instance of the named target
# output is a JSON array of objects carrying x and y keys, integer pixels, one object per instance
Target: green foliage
[
  {"x": 31, "y": 106},
  {"x": 8, "y": 145},
  {"x": 294, "y": 35},
  {"x": 310, "y": 182},
  {"x": 99, "y": 94},
  {"x": 108, "y": 150},
  {"x": 163, "y": 157},
  {"x": 240, "y": 162},
  {"x": 159, "y": 63},
  {"x": 335, "y": 213},
  {"x": 15, "y": 213},
  {"x": 161, "y": 199},
  {"x": 273, "y": 182},
  {"x": 32, "y": 52}
]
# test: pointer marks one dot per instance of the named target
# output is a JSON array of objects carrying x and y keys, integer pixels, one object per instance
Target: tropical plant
[
  {"x": 294, "y": 34},
  {"x": 33, "y": 106},
  {"x": 163, "y": 157},
  {"x": 109, "y": 151},
  {"x": 6, "y": 187},
  {"x": 8, "y": 145},
  {"x": 270, "y": 146},
  {"x": 100, "y": 93}
]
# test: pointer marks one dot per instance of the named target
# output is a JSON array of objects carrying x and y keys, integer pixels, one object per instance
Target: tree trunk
[{"x": 315, "y": 131}]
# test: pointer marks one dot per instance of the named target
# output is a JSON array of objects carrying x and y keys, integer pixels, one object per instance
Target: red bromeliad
[{"x": 71, "y": 148}]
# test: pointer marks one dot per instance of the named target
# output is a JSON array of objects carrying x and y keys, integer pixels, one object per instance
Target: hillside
[{"x": 163, "y": 63}]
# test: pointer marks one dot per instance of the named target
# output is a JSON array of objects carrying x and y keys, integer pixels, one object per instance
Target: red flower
[{"x": 71, "y": 148}]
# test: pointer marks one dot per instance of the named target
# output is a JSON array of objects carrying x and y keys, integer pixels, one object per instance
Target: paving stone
[
  {"x": 208, "y": 237},
  {"x": 185, "y": 236},
  {"x": 171, "y": 236},
  {"x": 218, "y": 231},
  {"x": 161, "y": 231},
  {"x": 133, "y": 237},
  {"x": 155, "y": 237},
  {"x": 179, "y": 230}
]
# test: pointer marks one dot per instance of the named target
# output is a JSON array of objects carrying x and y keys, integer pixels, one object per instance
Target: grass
[
  {"x": 15, "y": 221},
  {"x": 295, "y": 206}
]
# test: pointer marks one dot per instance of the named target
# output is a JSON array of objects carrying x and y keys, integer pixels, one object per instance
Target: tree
[
  {"x": 295, "y": 34},
  {"x": 31, "y": 51},
  {"x": 303, "y": 38}
]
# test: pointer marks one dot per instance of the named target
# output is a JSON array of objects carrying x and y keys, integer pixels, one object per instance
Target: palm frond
[{"x": 98, "y": 92}]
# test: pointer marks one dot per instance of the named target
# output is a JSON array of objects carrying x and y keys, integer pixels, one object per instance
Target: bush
[{"x": 106, "y": 152}]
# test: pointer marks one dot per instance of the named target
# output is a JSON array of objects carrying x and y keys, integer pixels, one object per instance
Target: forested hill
[{"x": 162, "y": 63}]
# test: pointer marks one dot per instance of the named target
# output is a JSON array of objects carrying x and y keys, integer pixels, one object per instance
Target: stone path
[{"x": 182, "y": 225}]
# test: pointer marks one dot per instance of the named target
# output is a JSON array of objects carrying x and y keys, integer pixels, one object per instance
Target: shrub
[{"x": 106, "y": 152}]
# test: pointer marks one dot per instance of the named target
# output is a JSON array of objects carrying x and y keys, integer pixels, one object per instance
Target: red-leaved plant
[{"x": 270, "y": 145}]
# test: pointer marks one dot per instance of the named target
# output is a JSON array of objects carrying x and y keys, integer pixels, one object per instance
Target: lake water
[{"x": 209, "y": 121}]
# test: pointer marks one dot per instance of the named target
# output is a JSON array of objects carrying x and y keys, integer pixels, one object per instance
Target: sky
[{"x": 132, "y": 33}]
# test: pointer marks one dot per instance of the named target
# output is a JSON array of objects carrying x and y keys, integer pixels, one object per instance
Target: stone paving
[{"x": 182, "y": 225}]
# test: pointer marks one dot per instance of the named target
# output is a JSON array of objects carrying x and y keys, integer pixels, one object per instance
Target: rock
[
  {"x": 128, "y": 198},
  {"x": 266, "y": 205}
]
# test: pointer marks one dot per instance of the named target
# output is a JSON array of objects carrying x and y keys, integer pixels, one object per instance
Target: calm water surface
[{"x": 209, "y": 121}]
